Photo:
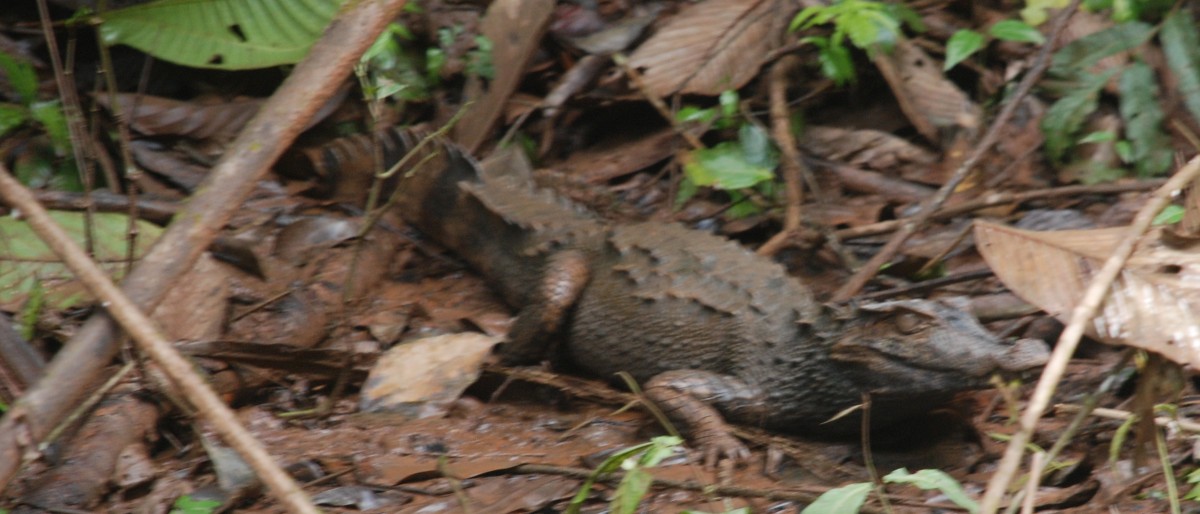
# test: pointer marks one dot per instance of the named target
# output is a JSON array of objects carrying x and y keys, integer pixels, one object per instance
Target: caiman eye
[{"x": 908, "y": 322}]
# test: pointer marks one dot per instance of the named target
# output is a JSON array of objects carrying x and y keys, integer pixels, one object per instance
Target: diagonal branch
[
  {"x": 83, "y": 360},
  {"x": 151, "y": 341}
]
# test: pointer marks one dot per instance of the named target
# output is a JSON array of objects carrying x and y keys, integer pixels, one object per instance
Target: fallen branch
[{"x": 994, "y": 199}]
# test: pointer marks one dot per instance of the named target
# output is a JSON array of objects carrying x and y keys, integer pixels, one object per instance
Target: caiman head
[{"x": 917, "y": 348}]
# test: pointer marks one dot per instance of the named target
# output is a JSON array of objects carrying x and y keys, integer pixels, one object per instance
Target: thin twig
[
  {"x": 792, "y": 167},
  {"x": 1031, "y": 487},
  {"x": 659, "y": 105},
  {"x": 930, "y": 206},
  {"x": 994, "y": 199},
  {"x": 927, "y": 285},
  {"x": 1122, "y": 415},
  {"x": 73, "y": 112},
  {"x": 87, "y": 406}
]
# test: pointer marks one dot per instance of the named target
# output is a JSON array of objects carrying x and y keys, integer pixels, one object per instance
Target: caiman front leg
[
  {"x": 694, "y": 400},
  {"x": 540, "y": 322}
]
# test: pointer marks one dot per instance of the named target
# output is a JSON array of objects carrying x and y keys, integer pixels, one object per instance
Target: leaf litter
[{"x": 320, "y": 301}]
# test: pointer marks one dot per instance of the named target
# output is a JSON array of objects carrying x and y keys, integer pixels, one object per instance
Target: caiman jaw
[{"x": 926, "y": 345}]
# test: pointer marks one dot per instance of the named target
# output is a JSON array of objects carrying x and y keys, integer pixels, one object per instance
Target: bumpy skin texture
[{"x": 712, "y": 330}]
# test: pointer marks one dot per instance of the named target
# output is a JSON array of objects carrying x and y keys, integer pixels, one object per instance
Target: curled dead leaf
[
  {"x": 1153, "y": 304},
  {"x": 933, "y": 104}
]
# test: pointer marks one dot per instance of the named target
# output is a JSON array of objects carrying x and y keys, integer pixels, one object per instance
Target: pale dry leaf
[
  {"x": 422, "y": 378},
  {"x": 931, "y": 102},
  {"x": 710, "y": 47},
  {"x": 1154, "y": 304}
]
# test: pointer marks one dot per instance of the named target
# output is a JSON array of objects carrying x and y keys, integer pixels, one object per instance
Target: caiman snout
[{"x": 1025, "y": 355}]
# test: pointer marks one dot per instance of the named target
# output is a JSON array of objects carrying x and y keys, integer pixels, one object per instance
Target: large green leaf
[
  {"x": 1152, "y": 153},
  {"x": 1064, "y": 119},
  {"x": 1181, "y": 45},
  {"x": 935, "y": 479},
  {"x": 21, "y": 77},
  {"x": 224, "y": 34},
  {"x": 11, "y": 117},
  {"x": 25, "y": 261},
  {"x": 1083, "y": 53},
  {"x": 847, "y": 499}
]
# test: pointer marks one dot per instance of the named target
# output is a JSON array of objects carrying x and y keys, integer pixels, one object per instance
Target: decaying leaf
[
  {"x": 620, "y": 155},
  {"x": 710, "y": 47},
  {"x": 1153, "y": 304},
  {"x": 156, "y": 116},
  {"x": 616, "y": 36},
  {"x": 867, "y": 148},
  {"x": 931, "y": 102}
]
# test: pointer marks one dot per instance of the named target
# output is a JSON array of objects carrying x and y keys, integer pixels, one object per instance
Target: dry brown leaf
[
  {"x": 930, "y": 101},
  {"x": 156, "y": 116},
  {"x": 867, "y": 148},
  {"x": 1152, "y": 305},
  {"x": 620, "y": 155},
  {"x": 174, "y": 164},
  {"x": 195, "y": 308},
  {"x": 390, "y": 469},
  {"x": 710, "y": 47}
]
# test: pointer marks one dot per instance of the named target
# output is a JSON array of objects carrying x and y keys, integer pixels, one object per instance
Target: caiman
[{"x": 712, "y": 330}]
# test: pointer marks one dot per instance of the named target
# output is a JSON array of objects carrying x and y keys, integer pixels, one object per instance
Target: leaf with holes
[{"x": 222, "y": 34}]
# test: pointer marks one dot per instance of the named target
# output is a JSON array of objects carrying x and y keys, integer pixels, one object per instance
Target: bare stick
[
  {"x": 659, "y": 105},
  {"x": 930, "y": 206},
  {"x": 1069, "y": 340},
  {"x": 792, "y": 166},
  {"x": 1122, "y": 415},
  {"x": 994, "y": 199}
]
